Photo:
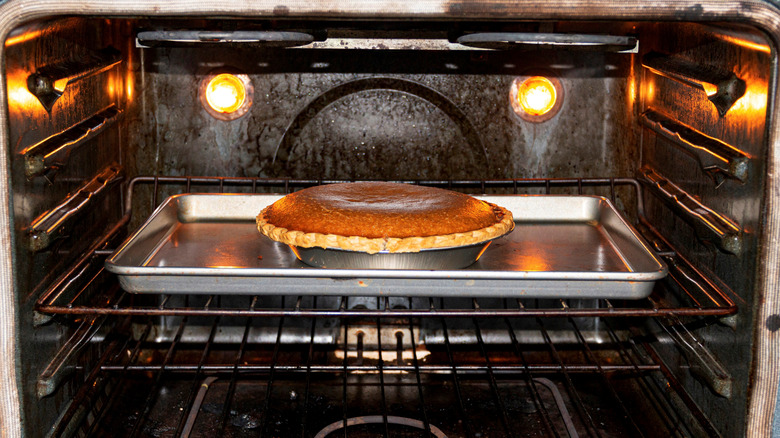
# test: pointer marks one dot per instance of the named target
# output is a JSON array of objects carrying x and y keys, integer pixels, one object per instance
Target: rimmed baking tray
[{"x": 561, "y": 247}]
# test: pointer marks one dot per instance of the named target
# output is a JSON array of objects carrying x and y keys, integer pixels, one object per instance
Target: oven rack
[
  {"x": 86, "y": 289},
  {"x": 135, "y": 374},
  {"x": 137, "y": 366}
]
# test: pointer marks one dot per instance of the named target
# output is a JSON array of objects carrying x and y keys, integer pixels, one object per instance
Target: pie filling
[{"x": 377, "y": 216}]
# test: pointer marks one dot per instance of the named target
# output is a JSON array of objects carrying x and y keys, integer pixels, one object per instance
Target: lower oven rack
[
  {"x": 598, "y": 380},
  {"x": 548, "y": 389}
]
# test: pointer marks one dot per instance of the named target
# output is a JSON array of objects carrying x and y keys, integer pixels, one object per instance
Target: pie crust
[{"x": 377, "y": 216}]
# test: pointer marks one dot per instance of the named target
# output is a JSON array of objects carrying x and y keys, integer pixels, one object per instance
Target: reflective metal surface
[
  {"x": 562, "y": 246},
  {"x": 722, "y": 87},
  {"x": 437, "y": 258},
  {"x": 257, "y": 38},
  {"x": 529, "y": 40}
]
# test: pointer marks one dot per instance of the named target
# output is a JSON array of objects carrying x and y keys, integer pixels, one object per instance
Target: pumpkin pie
[{"x": 379, "y": 216}]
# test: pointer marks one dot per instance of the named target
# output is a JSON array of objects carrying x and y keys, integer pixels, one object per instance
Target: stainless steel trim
[
  {"x": 204, "y": 38},
  {"x": 47, "y": 82},
  {"x": 64, "y": 362},
  {"x": 385, "y": 44},
  {"x": 54, "y": 152}
]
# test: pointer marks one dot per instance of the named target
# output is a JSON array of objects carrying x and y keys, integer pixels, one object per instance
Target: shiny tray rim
[
  {"x": 132, "y": 274},
  {"x": 114, "y": 267}
]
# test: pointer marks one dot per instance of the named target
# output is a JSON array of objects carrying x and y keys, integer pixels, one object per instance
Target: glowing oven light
[
  {"x": 536, "y": 95},
  {"x": 536, "y": 98},
  {"x": 225, "y": 93},
  {"x": 226, "y": 96}
]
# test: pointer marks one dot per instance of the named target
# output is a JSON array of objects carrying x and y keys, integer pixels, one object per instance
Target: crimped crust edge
[{"x": 390, "y": 244}]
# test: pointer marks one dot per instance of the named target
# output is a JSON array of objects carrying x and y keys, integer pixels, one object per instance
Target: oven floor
[{"x": 249, "y": 406}]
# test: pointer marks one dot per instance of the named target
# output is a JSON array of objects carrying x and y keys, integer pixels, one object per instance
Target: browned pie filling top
[{"x": 381, "y": 210}]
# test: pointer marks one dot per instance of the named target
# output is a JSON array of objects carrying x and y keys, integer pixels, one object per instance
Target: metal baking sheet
[{"x": 561, "y": 247}]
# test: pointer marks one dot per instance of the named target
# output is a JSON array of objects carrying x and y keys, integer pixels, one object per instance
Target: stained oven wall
[
  {"x": 30, "y": 49},
  {"x": 400, "y": 114},
  {"x": 747, "y": 54}
]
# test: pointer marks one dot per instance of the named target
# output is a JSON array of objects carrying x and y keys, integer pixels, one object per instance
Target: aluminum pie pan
[{"x": 457, "y": 257}]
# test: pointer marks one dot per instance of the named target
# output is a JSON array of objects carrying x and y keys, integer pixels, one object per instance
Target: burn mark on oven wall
[
  {"x": 373, "y": 134},
  {"x": 281, "y": 10},
  {"x": 184, "y": 138},
  {"x": 773, "y": 323},
  {"x": 468, "y": 8}
]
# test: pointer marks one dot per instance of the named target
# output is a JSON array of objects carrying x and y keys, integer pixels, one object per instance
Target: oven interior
[{"x": 667, "y": 120}]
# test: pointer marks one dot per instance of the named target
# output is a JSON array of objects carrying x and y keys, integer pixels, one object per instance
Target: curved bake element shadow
[{"x": 440, "y": 101}]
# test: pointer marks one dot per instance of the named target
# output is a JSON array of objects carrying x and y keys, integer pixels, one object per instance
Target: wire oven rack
[
  {"x": 533, "y": 381},
  {"x": 129, "y": 362},
  {"x": 693, "y": 293}
]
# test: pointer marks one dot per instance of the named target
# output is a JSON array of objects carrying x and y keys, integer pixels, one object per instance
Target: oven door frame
[{"x": 765, "y": 365}]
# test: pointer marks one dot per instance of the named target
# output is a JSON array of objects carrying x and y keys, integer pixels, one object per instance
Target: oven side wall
[
  {"x": 33, "y": 48},
  {"x": 742, "y": 126}
]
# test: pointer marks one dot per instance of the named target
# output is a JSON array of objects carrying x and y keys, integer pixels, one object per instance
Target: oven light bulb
[
  {"x": 536, "y": 98},
  {"x": 536, "y": 95},
  {"x": 225, "y": 93}
]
